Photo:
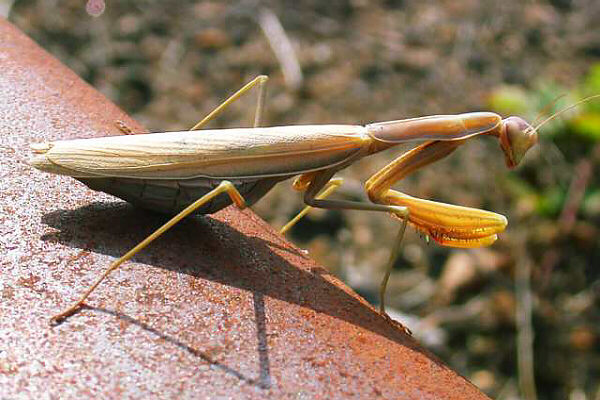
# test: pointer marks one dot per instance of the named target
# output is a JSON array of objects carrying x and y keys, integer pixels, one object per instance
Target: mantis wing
[{"x": 229, "y": 153}]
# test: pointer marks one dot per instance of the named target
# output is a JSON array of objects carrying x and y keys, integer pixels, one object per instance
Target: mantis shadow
[
  {"x": 195, "y": 246},
  {"x": 264, "y": 380}
]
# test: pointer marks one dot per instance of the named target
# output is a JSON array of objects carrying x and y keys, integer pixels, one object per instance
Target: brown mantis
[{"x": 204, "y": 171}]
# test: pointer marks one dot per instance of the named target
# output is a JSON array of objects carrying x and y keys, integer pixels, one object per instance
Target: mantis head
[{"x": 516, "y": 137}]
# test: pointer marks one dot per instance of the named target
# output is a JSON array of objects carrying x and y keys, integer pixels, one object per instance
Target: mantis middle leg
[
  {"x": 313, "y": 198},
  {"x": 328, "y": 190}
]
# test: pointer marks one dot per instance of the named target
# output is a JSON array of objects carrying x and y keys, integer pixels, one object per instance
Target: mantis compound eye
[{"x": 516, "y": 137}]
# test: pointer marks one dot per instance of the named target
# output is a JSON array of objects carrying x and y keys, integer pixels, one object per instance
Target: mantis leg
[
  {"x": 259, "y": 81},
  {"x": 224, "y": 187},
  {"x": 301, "y": 183},
  {"x": 329, "y": 188},
  {"x": 311, "y": 197},
  {"x": 447, "y": 224}
]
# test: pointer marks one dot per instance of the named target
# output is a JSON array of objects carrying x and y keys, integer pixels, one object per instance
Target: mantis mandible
[{"x": 187, "y": 172}]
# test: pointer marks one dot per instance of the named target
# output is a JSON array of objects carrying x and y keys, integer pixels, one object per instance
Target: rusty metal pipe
[{"x": 220, "y": 306}]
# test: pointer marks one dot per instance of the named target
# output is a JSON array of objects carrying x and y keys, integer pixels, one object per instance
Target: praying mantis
[{"x": 203, "y": 171}]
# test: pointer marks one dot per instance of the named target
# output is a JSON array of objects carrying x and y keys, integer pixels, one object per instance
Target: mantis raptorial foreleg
[
  {"x": 259, "y": 81},
  {"x": 224, "y": 187},
  {"x": 447, "y": 224}
]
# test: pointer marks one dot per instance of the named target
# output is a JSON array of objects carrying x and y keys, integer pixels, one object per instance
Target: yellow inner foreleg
[{"x": 447, "y": 224}]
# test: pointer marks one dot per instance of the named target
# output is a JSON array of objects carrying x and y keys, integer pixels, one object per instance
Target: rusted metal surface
[{"x": 222, "y": 306}]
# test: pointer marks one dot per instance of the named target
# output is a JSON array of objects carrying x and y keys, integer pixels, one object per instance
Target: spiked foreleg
[{"x": 447, "y": 224}]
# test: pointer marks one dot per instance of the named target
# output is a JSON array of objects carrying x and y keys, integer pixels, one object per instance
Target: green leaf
[
  {"x": 509, "y": 100},
  {"x": 551, "y": 202},
  {"x": 587, "y": 125},
  {"x": 591, "y": 86},
  {"x": 591, "y": 204}
]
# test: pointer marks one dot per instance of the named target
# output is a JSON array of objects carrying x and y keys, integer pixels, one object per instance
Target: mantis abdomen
[{"x": 172, "y": 196}]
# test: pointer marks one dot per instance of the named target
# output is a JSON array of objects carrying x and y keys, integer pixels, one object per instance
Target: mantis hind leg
[
  {"x": 224, "y": 187},
  {"x": 259, "y": 81}
]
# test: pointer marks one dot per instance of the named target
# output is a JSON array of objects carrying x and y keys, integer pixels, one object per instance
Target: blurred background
[{"x": 520, "y": 319}]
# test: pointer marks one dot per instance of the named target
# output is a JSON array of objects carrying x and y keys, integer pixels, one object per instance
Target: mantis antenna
[
  {"x": 547, "y": 107},
  {"x": 556, "y": 114}
]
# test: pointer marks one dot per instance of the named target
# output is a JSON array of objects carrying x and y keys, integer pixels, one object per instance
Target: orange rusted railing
[{"x": 221, "y": 306}]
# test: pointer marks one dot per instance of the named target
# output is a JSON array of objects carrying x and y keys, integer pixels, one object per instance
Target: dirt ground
[{"x": 170, "y": 63}]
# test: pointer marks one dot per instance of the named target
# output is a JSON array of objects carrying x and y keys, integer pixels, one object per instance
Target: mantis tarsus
[{"x": 204, "y": 171}]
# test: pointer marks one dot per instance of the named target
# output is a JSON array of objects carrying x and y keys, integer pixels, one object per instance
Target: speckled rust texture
[{"x": 221, "y": 306}]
